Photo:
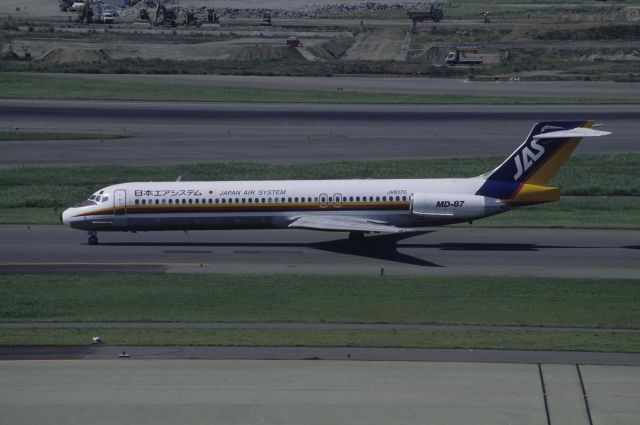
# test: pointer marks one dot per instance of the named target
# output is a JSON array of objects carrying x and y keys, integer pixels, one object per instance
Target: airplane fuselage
[{"x": 143, "y": 206}]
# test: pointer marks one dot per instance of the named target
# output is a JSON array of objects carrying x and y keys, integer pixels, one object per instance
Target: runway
[
  {"x": 315, "y": 392},
  {"x": 452, "y": 251},
  {"x": 177, "y": 132}
]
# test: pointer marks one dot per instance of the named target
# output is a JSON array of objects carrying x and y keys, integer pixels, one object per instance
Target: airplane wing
[{"x": 344, "y": 223}]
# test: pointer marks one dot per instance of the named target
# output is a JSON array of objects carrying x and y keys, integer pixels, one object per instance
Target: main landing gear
[
  {"x": 93, "y": 238},
  {"x": 356, "y": 236}
]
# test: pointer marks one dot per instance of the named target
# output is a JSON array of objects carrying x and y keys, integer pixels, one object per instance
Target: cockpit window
[{"x": 94, "y": 200}]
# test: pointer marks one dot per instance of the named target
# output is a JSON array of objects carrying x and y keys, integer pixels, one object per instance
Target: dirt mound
[
  {"x": 328, "y": 50},
  {"x": 67, "y": 55},
  {"x": 433, "y": 55},
  {"x": 263, "y": 51}
]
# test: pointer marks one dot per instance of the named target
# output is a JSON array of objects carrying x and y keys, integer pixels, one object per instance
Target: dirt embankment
[{"x": 69, "y": 55}]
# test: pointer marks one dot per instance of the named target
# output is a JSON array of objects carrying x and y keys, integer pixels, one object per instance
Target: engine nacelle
[{"x": 455, "y": 206}]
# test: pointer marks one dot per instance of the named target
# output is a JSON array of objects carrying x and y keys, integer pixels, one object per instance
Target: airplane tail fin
[{"x": 523, "y": 177}]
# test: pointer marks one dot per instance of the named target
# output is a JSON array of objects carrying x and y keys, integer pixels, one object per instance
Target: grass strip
[
  {"x": 30, "y": 135},
  {"x": 320, "y": 299},
  {"x": 45, "y": 87},
  {"x": 471, "y": 339}
]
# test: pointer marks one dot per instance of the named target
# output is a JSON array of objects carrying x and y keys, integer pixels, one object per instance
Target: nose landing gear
[{"x": 93, "y": 238}]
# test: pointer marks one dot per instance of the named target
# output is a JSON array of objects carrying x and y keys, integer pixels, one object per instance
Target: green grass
[
  {"x": 545, "y": 340},
  {"x": 43, "y": 87},
  {"x": 30, "y": 135},
  {"x": 30, "y": 215},
  {"x": 320, "y": 299}
]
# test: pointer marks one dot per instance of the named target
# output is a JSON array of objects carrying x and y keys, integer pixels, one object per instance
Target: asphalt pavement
[
  {"x": 184, "y": 132},
  {"x": 446, "y": 251}
]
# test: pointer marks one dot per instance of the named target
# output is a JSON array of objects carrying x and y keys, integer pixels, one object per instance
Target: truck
[
  {"x": 435, "y": 14},
  {"x": 106, "y": 18},
  {"x": 293, "y": 42},
  {"x": 458, "y": 56}
]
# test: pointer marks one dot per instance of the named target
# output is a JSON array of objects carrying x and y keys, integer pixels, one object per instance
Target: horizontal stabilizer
[
  {"x": 344, "y": 223},
  {"x": 574, "y": 132}
]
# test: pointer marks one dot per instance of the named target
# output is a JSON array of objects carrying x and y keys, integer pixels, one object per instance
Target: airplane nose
[{"x": 65, "y": 216}]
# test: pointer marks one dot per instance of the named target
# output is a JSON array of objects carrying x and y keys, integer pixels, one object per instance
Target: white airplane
[{"x": 354, "y": 206}]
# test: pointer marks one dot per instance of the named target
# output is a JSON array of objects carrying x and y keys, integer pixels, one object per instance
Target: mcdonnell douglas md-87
[{"x": 354, "y": 206}]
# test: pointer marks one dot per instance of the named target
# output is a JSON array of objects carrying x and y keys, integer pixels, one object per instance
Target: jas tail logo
[{"x": 527, "y": 158}]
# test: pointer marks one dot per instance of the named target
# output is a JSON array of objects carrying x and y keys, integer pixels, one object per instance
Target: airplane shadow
[{"x": 382, "y": 247}]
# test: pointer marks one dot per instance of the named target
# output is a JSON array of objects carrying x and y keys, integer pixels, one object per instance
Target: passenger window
[
  {"x": 137, "y": 202},
  {"x": 184, "y": 201},
  {"x": 244, "y": 200},
  {"x": 197, "y": 201},
  {"x": 384, "y": 198},
  {"x": 217, "y": 200},
  {"x": 164, "y": 201},
  {"x": 210, "y": 201},
  {"x": 144, "y": 202},
  {"x": 404, "y": 198},
  {"x": 224, "y": 201},
  {"x": 157, "y": 201},
  {"x": 237, "y": 201},
  {"x": 191, "y": 201}
]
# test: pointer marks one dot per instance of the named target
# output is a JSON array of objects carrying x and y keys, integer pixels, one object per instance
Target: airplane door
[
  {"x": 337, "y": 200},
  {"x": 323, "y": 200},
  {"x": 120, "y": 202}
]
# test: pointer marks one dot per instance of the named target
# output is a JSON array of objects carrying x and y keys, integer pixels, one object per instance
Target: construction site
[{"x": 498, "y": 40}]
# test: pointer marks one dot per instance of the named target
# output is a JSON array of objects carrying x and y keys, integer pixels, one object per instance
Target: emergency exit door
[{"x": 120, "y": 202}]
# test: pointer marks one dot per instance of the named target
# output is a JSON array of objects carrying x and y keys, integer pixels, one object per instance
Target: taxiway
[
  {"x": 183, "y": 132},
  {"x": 442, "y": 251}
]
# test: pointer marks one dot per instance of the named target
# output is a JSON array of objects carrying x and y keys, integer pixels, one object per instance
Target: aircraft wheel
[
  {"x": 356, "y": 236},
  {"x": 93, "y": 240}
]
